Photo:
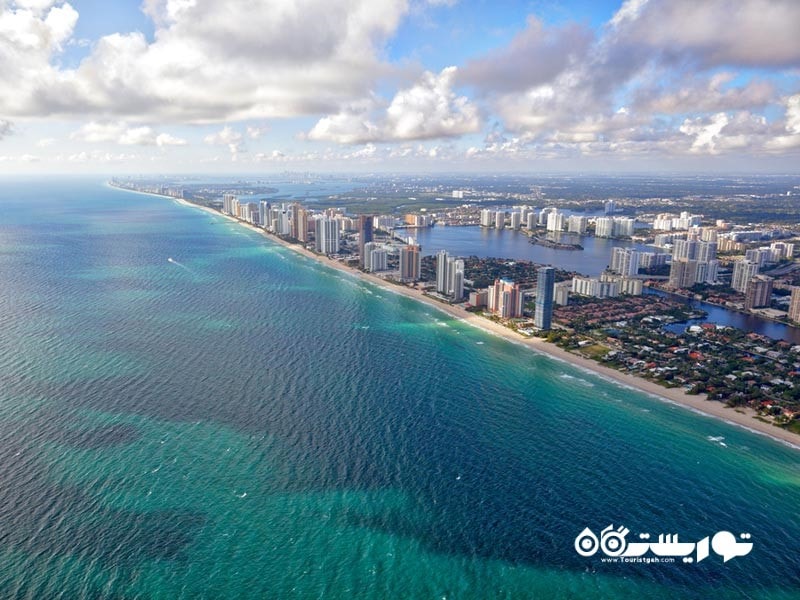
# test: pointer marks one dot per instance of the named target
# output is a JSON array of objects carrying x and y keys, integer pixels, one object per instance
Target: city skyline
[{"x": 430, "y": 86}]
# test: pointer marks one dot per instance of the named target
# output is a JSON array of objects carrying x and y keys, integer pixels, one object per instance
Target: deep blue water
[{"x": 242, "y": 422}]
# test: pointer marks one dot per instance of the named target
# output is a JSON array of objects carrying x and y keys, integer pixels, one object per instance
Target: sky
[{"x": 204, "y": 86}]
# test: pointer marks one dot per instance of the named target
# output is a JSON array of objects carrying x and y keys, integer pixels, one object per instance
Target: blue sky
[{"x": 399, "y": 85}]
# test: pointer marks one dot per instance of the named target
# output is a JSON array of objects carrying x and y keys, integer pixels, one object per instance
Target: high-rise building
[
  {"x": 449, "y": 275},
  {"x": 410, "y": 263},
  {"x": 364, "y": 235},
  {"x": 555, "y": 221},
  {"x": 707, "y": 272},
  {"x": 703, "y": 253},
  {"x": 368, "y": 248},
  {"x": 455, "y": 279},
  {"x": 759, "y": 255},
  {"x": 663, "y": 222},
  {"x": 375, "y": 257},
  {"x": 531, "y": 221},
  {"x": 326, "y": 235},
  {"x": 228, "y": 201},
  {"x": 652, "y": 259},
  {"x": 415, "y": 220},
  {"x": 607, "y": 227},
  {"x": 759, "y": 292},
  {"x": 743, "y": 272},
  {"x": 441, "y": 271},
  {"x": 706, "y": 251},
  {"x": 263, "y": 213},
  {"x": 383, "y": 222},
  {"x": 577, "y": 224},
  {"x": 302, "y": 225},
  {"x": 516, "y": 220},
  {"x": 596, "y": 287},
  {"x": 294, "y": 220},
  {"x": 686, "y": 249},
  {"x": 728, "y": 244},
  {"x": 284, "y": 227},
  {"x": 505, "y": 299},
  {"x": 604, "y": 227},
  {"x": 609, "y": 207},
  {"x": 379, "y": 259},
  {"x": 251, "y": 213},
  {"x": 682, "y": 273},
  {"x": 687, "y": 220},
  {"x": 561, "y": 292},
  {"x": 794, "y": 305},
  {"x": 623, "y": 226},
  {"x": 708, "y": 234},
  {"x": 630, "y": 286},
  {"x": 500, "y": 219},
  {"x": 545, "y": 282},
  {"x": 487, "y": 217},
  {"x": 625, "y": 261},
  {"x": 781, "y": 251}
]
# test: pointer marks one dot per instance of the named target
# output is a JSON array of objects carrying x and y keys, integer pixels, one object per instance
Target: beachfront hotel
[
  {"x": 410, "y": 263},
  {"x": 449, "y": 275},
  {"x": 326, "y": 235}
]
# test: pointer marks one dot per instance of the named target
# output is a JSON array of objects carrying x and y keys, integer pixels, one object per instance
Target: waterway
[
  {"x": 507, "y": 243},
  {"x": 720, "y": 315}
]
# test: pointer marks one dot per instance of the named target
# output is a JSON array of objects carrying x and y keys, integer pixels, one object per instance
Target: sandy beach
[{"x": 740, "y": 417}]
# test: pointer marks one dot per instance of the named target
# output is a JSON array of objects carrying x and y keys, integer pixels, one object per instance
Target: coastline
[{"x": 740, "y": 417}]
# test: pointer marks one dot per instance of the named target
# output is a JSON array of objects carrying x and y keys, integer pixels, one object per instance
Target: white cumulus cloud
[
  {"x": 119, "y": 132},
  {"x": 209, "y": 61},
  {"x": 428, "y": 109}
]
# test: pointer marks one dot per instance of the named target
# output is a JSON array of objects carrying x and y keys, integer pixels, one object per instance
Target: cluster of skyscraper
[
  {"x": 290, "y": 220},
  {"x": 667, "y": 222},
  {"x": 553, "y": 220},
  {"x": 746, "y": 279},
  {"x": 693, "y": 261},
  {"x": 693, "y": 257},
  {"x": 327, "y": 229},
  {"x": 608, "y": 227}
]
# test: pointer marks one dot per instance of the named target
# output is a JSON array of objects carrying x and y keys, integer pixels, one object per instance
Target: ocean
[{"x": 188, "y": 410}]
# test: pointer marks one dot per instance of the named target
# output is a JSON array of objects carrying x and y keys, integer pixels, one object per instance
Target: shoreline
[{"x": 696, "y": 403}]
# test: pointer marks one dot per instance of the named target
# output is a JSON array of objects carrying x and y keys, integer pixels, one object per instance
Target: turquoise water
[{"x": 243, "y": 422}]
